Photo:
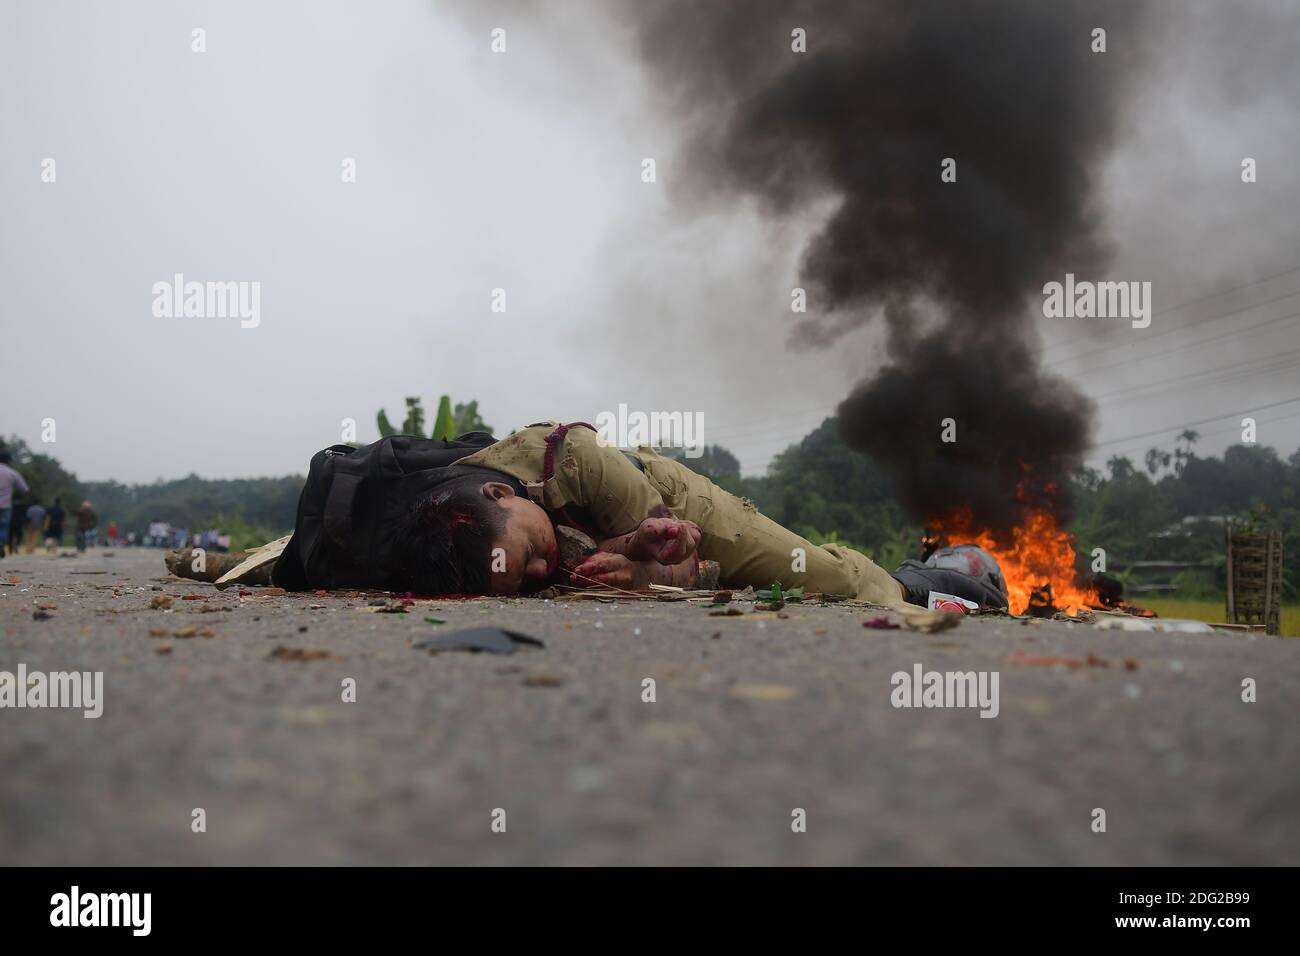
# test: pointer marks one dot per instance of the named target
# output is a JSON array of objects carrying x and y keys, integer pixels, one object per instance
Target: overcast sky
[{"x": 522, "y": 171}]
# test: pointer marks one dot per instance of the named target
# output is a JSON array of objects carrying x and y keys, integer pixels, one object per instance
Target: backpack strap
[
  {"x": 536, "y": 488},
  {"x": 339, "y": 506}
]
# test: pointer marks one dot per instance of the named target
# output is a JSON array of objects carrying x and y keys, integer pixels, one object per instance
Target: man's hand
[
  {"x": 620, "y": 571},
  {"x": 616, "y": 570},
  {"x": 666, "y": 540}
]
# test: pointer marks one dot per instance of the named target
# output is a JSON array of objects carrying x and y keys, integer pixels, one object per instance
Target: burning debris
[
  {"x": 1109, "y": 592},
  {"x": 1036, "y": 558},
  {"x": 1037, "y": 571}
]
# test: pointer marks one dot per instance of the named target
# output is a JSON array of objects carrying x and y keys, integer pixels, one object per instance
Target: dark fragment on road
[
  {"x": 494, "y": 640},
  {"x": 297, "y": 654}
]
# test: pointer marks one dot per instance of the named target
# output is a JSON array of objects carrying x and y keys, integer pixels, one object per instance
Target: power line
[
  {"x": 1217, "y": 431},
  {"x": 1259, "y": 366},
  {"x": 744, "y": 430},
  {"x": 765, "y": 425},
  {"x": 1204, "y": 421},
  {"x": 764, "y": 434},
  {"x": 1056, "y": 363},
  {"x": 1204, "y": 298},
  {"x": 1240, "y": 333},
  {"x": 1233, "y": 371},
  {"x": 767, "y": 461}
]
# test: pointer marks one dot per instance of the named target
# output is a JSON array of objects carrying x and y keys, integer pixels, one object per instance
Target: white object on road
[
  {"x": 938, "y": 601},
  {"x": 1128, "y": 622}
]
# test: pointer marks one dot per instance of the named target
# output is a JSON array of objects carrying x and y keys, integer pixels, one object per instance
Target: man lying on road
[{"x": 490, "y": 526}]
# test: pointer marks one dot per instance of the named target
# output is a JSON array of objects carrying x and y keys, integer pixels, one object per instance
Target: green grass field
[{"x": 1212, "y": 611}]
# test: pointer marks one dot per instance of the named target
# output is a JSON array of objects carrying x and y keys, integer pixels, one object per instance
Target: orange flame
[{"x": 1038, "y": 554}]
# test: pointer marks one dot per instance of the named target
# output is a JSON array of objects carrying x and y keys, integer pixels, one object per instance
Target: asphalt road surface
[{"x": 553, "y": 756}]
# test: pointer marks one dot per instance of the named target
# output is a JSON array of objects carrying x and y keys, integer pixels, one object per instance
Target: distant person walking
[
  {"x": 87, "y": 521},
  {"x": 35, "y": 527},
  {"x": 16, "y": 529},
  {"x": 10, "y": 481},
  {"x": 54, "y": 525}
]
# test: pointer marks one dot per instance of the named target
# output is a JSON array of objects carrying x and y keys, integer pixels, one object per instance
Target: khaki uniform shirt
[{"x": 614, "y": 497}]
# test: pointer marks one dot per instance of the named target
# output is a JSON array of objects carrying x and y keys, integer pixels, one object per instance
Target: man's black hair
[{"x": 446, "y": 543}]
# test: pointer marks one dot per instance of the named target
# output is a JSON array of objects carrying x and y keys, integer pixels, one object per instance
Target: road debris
[
  {"x": 1092, "y": 660},
  {"x": 494, "y": 640},
  {"x": 763, "y": 691},
  {"x": 381, "y": 606},
  {"x": 192, "y": 631},
  {"x": 543, "y": 680},
  {"x": 574, "y": 546},
  {"x": 930, "y": 622},
  {"x": 297, "y": 654}
]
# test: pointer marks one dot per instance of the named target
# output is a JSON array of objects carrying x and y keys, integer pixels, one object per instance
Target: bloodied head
[{"x": 471, "y": 536}]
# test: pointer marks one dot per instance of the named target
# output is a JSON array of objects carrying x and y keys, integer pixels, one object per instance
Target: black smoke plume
[{"x": 887, "y": 90}]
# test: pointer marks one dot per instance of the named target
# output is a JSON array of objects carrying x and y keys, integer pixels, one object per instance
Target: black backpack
[{"x": 354, "y": 503}]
